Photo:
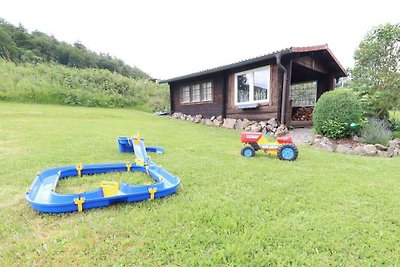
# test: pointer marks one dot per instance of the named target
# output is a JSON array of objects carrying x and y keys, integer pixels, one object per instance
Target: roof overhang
[{"x": 340, "y": 71}]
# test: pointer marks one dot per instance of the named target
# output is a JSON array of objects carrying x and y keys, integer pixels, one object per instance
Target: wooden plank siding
[
  {"x": 303, "y": 64},
  {"x": 207, "y": 109}
]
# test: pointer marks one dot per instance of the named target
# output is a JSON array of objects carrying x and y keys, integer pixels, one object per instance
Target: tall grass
[{"x": 56, "y": 84}]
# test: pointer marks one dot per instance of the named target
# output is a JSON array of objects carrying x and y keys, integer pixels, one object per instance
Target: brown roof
[{"x": 341, "y": 72}]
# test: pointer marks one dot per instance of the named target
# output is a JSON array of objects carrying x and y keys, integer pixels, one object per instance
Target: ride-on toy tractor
[{"x": 283, "y": 147}]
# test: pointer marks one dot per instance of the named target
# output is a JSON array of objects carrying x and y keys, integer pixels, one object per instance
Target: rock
[
  {"x": 177, "y": 115},
  {"x": 316, "y": 140},
  {"x": 212, "y": 118},
  {"x": 357, "y": 139},
  {"x": 272, "y": 122},
  {"x": 239, "y": 124},
  {"x": 203, "y": 121},
  {"x": 209, "y": 122},
  {"x": 198, "y": 118},
  {"x": 217, "y": 122},
  {"x": 246, "y": 123},
  {"x": 390, "y": 151},
  {"x": 229, "y": 123},
  {"x": 220, "y": 119},
  {"x": 270, "y": 128},
  {"x": 359, "y": 151},
  {"x": 344, "y": 149},
  {"x": 281, "y": 130},
  {"x": 263, "y": 124},
  {"x": 255, "y": 128},
  {"x": 382, "y": 153},
  {"x": 396, "y": 152},
  {"x": 394, "y": 143},
  {"x": 381, "y": 147},
  {"x": 370, "y": 150},
  {"x": 189, "y": 118},
  {"x": 247, "y": 128},
  {"x": 325, "y": 144}
]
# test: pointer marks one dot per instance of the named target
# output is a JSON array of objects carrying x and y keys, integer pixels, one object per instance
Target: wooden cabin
[{"x": 280, "y": 85}]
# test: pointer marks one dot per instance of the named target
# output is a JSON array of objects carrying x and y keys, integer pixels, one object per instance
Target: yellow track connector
[
  {"x": 79, "y": 202},
  {"x": 152, "y": 191},
  {"x": 128, "y": 166},
  {"x": 79, "y": 168}
]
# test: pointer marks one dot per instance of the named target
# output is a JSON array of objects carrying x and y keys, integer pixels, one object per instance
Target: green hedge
[
  {"x": 56, "y": 84},
  {"x": 335, "y": 111}
]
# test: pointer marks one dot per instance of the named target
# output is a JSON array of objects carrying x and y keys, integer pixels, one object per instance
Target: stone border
[
  {"x": 392, "y": 150},
  {"x": 270, "y": 126}
]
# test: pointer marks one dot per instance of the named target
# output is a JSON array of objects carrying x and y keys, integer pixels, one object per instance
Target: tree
[{"x": 376, "y": 73}]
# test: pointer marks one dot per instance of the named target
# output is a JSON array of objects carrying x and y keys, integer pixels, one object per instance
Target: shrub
[
  {"x": 335, "y": 111},
  {"x": 376, "y": 131}
]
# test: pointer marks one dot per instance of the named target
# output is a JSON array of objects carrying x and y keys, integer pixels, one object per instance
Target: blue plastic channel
[
  {"x": 125, "y": 145},
  {"x": 42, "y": 196}
]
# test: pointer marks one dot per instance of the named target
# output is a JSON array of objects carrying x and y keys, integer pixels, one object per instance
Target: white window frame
[
  {"x": 183, "y": 94},
  {"x": 251, "y": 87},
  {"x": 203, "y": 91},
  {"x": 201, "y": 87}
]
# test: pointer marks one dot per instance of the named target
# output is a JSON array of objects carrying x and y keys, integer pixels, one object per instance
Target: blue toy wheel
[
  {"x": 288, "y": 152},
  {"x": 248, "y": 151}
]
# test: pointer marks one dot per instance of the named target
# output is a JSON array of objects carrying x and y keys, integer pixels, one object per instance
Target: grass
[
  {"x": 71, "y": 185},
  {"x": 57, "y": 84},
  {"x": 322, "y": 209}
]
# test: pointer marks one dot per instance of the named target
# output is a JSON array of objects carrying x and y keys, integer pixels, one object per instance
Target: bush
[
  {"x": 376, "y": 132},
  {"x": 335, "y": 111}
]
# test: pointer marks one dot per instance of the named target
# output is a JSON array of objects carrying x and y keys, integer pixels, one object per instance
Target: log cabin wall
[
  {"x": 207, "y": 109},
  {"x": 266, "y": 110}
]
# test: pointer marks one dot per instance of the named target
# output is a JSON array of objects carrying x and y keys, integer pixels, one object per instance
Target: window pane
[
  {"x": 206, "y": 91},
  {"x": 186, "y": 94},
  {"x": 303, "y": 94},
  {"x": 243, "y": 87},
  {"x": 261, "y": 81},
  {"x": 196, "y": 93}
]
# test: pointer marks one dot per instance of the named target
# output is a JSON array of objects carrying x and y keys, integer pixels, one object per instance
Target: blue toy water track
[{"x": 42, "y": 195}]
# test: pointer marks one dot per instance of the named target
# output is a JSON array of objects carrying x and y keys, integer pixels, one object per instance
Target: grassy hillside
[
  {"x": 56, "y": 84},
  {"x": 323, "y": 209}
]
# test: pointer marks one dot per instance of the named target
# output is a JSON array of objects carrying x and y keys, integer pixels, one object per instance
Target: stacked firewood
[{"x": 303, "y": 114}]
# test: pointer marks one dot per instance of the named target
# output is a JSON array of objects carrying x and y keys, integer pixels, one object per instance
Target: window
[
  {"x": 303, "y": 94},
  {"x": 197, "y": 93},
  {"x": 186, "y": 94},
  {"x": 252, "y": 86},
  {"x": 206, "y": 89}
]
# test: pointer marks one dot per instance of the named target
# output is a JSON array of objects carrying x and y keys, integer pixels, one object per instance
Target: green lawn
[{"x": 323, "y": 209}]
